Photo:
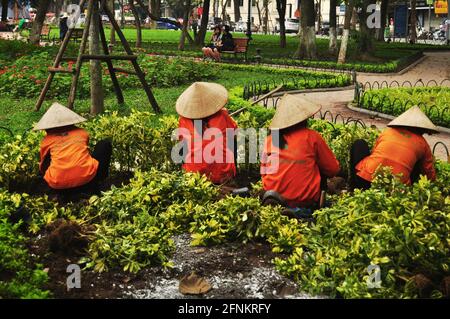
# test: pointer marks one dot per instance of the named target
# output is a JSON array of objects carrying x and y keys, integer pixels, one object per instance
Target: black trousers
[
  {"x": 358, "y": 151},
  {"x": 102, "y": 153}
]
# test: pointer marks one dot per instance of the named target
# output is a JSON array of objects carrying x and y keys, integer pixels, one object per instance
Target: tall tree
[
  {"x": 365, "y": 43},
  {"x": 112, "y": 37},
  {"x": 266, "y": 15},
  {"x": 95, "y": 68},
  {"x": 349, "y": 5},
  {"x": 281, "y": 8},
  {"x": 203, "y": 24},
  {"x": 5, "y": 4},
  {"x": 137, "y": 21},
  {"x": 237, "y": 10},
  {"x": 307, "y": 44},
  {"x": 187, "y": 10},
  {"x": 332, "y": 48},
  {"x": 224, "y": 10},
  {"x": 36, "y": 29},
  {"x": 412, "y": 29}
]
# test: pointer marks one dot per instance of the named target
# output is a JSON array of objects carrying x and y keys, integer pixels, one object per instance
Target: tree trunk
[
  {"x": 258, "y": 8},
  {"x": 281, "y": 8},
  {"x": 346, "y": 33},
  {"x": 266, "y": 16},
  {"x": 58, "y": 8},
  {"x": 237, "y": 11},
  {"x": 365, "y": 44},
  {"x": 383, "y": 13},
  {"x": 204, "y": 23},
  {"x": 332, "y": 48},
  {"x": 224, "y": 11},
  {"x": 413, "y": 33},
  {"x": 95, "y": 67},
  {"x": 112, "y": 37},
  {"x": 307, "y": 44},
  {"x": 187, "y": 9},
  {"x": 354, "y": 18},
  {"x": 214, "y": 6},
  {"x": 39, "y": 21},
  {"x": 137, "y": 21},
  {"x": 5, "y": 10}
]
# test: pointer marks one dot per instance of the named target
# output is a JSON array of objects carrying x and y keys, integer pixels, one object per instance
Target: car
[
  {"x": 105, "y": 18},
  {"x": 163, "y": 25},
  {"x": 241, "y": 26},
  {"x": 291, "y": 25}
]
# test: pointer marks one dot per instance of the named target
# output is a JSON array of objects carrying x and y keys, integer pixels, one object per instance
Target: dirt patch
[
  {"x": 67, "y": 238},
  {"x": 234, "y": 270}
]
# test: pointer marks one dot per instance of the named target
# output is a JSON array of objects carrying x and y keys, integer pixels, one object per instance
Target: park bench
[
  {"x": 45, "y": 33},
  {"x": 77, "y": 34},
  {"x": 240, "y": 47}
]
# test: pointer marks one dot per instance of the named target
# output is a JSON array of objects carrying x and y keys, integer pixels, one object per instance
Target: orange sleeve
[
  {"x": 327, "y": 162},
  {"x": 427, "y": 166}
]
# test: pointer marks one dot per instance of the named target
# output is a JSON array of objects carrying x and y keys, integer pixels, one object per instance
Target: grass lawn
[
  {"x": 19, "y": 114},
  {"x": 269, "y": 44}
]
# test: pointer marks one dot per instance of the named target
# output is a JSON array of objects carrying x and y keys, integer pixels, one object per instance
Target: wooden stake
[
  {"x": 112, "y": 71},
  {"x": 76, "y": 75},
  {"x": 56, "y": 63},
  {"x": 136, "y": 66}
]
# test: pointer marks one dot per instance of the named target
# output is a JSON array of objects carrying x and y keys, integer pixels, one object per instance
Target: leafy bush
[
  {"x": 402, "y": 229},
  {"x": 19, "y": 159},
  {"x": 27, "y": 76},
  {"x": 19, "y": 277},
  {"x": 433, "y": 101},
  {"x": 141, "y": 140},
  {"x": 131, "y": 233}
]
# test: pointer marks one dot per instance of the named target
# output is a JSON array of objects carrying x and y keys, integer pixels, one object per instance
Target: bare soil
[{"x": 234, "y": 270}]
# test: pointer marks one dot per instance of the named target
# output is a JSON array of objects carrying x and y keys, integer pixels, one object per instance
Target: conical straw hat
[
  {"x": 414, "y": 117},
  {"x": 292, "y": 110},
  {"x": 57, "y": 116},
  {"x": 201, "y": 100}
]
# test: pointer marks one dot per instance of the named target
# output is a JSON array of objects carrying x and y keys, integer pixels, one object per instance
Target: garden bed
[{"x": 434, "y": 101}]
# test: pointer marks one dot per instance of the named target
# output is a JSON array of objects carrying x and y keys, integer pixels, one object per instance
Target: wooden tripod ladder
[{"x": 106, "y": 57}]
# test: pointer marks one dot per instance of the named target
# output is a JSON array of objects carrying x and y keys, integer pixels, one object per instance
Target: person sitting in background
[
  {"x": 65, "y": 161},
  {"x": 203, "y": 127},
  {"x": 401, "y": 146},
  {"x": 226, "y": 44},
  {"x": 211, "y": 50},
  {"x": 296, "y": 161},
  {"x": 63, "y": 25}
]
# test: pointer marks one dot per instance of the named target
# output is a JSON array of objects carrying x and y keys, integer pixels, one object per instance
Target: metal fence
[
  {"x": 260, "y": 87},
  {"x": 395, "y": 106}
]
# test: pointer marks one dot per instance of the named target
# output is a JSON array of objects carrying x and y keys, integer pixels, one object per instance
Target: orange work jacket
[
  {"x": 399, "y": 149},
  {"x": 296, "y": 169},
  {"x": 207, "y": 152},
  {"x": 71, "y": 164}
]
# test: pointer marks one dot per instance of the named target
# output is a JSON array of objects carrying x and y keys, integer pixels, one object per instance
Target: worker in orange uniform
[
  {"x": 66, "y": 164},
  {"x": 296, "y": 160},
  {"x": 207, "y": 132},
  {"x": 401, "y": 146}
]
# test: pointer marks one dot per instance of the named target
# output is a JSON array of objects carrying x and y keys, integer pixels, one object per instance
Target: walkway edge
[
  {"x": 386, "y": 116},
  {"x": 339, "y": 88}
]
